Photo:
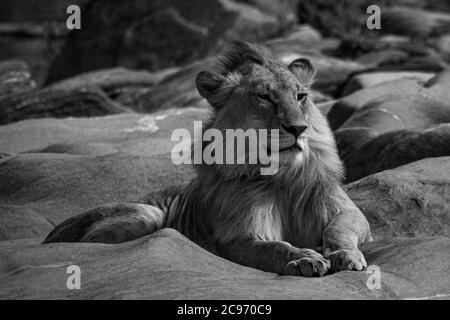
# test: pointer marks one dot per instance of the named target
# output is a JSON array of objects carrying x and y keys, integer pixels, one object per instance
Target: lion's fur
[
  {"x": 294, "y": 205},
  {"x": 262, "y": 221}
]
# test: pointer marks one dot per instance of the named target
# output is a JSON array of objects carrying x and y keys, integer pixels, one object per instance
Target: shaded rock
[
  {"x": 130, "y": 133},
  {"x": 364, "y": 152},
  {"x": 388, "y": 114},
  {"x": 284, "y": 10},
  {"x": 412, "y": 200},
  {"x": 438, "y": 87},
  {"x": 113, "y": 78},
  {"x": 346, "y": 106},
  {"x": 15, "y": 77},
  {"x": 433, "y": 92},
  {"x": 176, "y": 90},
  {"x": 365, "y": 80},
  {"x": 394, "y": 40},
  {"x": 383, "y": 57},
  {"x": 37, "y": 51},
  {"x": 42, "y": 11},
  {"x": 75, "y": 164},
  {"x": 414, "y": 22},
  {"x": 18, "y": 222},
  {"x": 142, "y": 46},
  {"x": 297, "y": 39},
  {"x": 442, "y": 45},
  {"x": 57, "y": 103},
  {"x": 392, "y": 130},
  {"x": 192, "y": 30},
  {"x": 58, "y": 186},
  {"x": 88, "y": 149},
  {"x": 145, "y": 268}
]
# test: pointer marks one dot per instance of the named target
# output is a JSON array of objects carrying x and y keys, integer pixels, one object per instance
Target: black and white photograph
[{"x": 225, "y": 155}]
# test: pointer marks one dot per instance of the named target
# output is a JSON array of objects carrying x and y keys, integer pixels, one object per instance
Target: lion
[{"x": 298, "y": 221}]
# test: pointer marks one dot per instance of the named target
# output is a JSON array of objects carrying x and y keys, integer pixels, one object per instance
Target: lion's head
[{"x": 252, "y": 90}]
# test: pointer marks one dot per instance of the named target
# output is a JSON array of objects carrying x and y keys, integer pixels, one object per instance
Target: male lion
[{"x": 273, "y": 222}]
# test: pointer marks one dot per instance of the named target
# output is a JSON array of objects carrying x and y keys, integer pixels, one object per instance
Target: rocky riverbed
[{"x": 94, "y": 125}]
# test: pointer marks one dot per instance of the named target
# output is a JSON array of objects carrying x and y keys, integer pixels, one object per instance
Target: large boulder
[
  {"x": 158, "y": 34},
  {"x": 58, "y": 186},
  {"x": 404, "y": 21},
  {"x": 166, "y": 265},
  {"x": 53, "y": 169},
  {"x": 411, "y": 200},
  {"x": 371, "y": 79},
  {"x": 129, "y": 133},
  {"x": 365, "y": 152},
  {"x": 112, "y": 78},
  {"x": 392, "y": 124},
  {"x": 48, "y": 103},
  {"x": 348, "y": 105}
]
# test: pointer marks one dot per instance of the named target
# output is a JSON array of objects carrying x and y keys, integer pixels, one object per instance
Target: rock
[
  {"x": 145, "y": 268},
  {"x": 399, "y": 127},
  {"x": 19, "y": 222},
  {"x": 436, "y": 90},
  {"x": 412, "y": 200},
  {"x": 176, "y": 90},
  {"x": 112, "y": 78},
  {"x": 58, "y": 186},
  {"x": 346, "y": 106},
  {"x": 365, "y": 152},
  {"x": 36, "y": 51},
  {"x": 15, "y": 77},
  {"x": 142, "y": 46},
  {"x": 297, "y": 39},
  {"x": 44, "y": 11},
  {"x": 185, "y": 32},
  {"x": 388, "y": 114},
  {"x": 331, "y": 72},
  {"x": 437, "y": 87},
  {"x": 383, "y": 57},
  {"x": 283, "y": 10},
  {"x": 33, "y": 32},
  {"x": 443, "y": 46},
  {"x": 404, "y": 21},
  {"x": 365, "y": 80},
  {"x": 58, "y": 168},
  {"x": 129, "y": 133},
  {"x": 394, "y": 40},
  {"x": 57, "y": 103}
]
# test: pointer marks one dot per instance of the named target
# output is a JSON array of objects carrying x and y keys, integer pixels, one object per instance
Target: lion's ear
[
  {"x": 303, "y": 70},
  {"x": 207, "y": 83}
]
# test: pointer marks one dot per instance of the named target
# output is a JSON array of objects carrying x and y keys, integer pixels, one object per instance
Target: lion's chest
[
  {"x": 266, "y": 222},
  {"x": 272, "y": 222}
]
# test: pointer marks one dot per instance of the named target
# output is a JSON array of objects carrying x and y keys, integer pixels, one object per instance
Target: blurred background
[{"x": 159, "y": 34}]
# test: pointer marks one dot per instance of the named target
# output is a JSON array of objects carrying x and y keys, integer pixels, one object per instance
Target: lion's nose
[{"x": 296, "y": 130}]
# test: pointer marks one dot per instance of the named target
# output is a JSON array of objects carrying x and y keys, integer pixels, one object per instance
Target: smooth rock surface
[
  {"x": 411, "y": 200},
  {"x": 166, "y": 265}
]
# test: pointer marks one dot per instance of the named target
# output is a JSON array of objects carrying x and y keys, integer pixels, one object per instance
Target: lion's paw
[
  {"x": 314, "y": 266},
  {"x": 347, "y": 260}
]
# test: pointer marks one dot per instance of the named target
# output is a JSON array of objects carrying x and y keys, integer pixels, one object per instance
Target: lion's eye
[
  {"x": 301, "y": 96},
  {"x": 263, "y": 96}
]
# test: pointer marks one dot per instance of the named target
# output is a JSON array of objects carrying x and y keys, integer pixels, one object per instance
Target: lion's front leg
[
  {"x": 342, "y": 237},
  {"x": 275, "y": 256}
]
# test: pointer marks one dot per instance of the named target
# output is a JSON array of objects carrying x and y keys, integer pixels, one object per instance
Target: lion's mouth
[{"x": 297, "y": 146}]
